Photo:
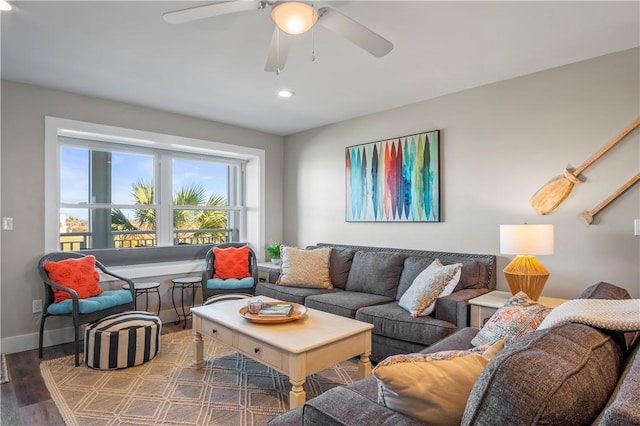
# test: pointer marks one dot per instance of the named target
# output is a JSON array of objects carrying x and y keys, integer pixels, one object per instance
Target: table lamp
[{"x": 525, "y": 272}]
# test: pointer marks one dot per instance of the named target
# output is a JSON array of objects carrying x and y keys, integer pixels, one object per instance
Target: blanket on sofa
[{"x": 619, "y": 315}]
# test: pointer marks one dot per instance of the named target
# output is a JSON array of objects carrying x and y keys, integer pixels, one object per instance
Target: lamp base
[{"x": 526, "y": 273}]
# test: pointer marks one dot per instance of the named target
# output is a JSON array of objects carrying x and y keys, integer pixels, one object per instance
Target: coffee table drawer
[
  {"x": 217, "y": 331},
  {"x": 265, "y": 353}
]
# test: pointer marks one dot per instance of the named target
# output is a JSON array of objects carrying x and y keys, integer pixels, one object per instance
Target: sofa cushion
[
  {"x": 431, "y": 387},
  {"x": 474, "y": 275},
  {"x": 341, "y": 406},
  {"x": 305, "y": 268},
  {"x": 375, "y": 273},
  {"x": 435, "y": 280},
  {"x": 413, "y": 266},
  {"x": 392, "y": 321},
  {"x": 519, "y": 316},
  {"x": 344, "y": 303},
  {"x": 604, "y": 290},
  {"x": 340, "y": 265},
  {"x": 289, "y": 294},
  {"x": 562, "y": 375}
]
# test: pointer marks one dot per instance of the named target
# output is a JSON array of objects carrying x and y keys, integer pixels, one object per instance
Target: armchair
[
  {"x": 212, "y": 286},
  {"x": 80, "y": 310}
]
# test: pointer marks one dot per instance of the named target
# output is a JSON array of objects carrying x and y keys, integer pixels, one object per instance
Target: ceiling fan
[{"x": 290, "y": 17}]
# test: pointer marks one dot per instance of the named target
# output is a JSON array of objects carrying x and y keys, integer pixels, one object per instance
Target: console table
[{"x": 264, "y": 268}]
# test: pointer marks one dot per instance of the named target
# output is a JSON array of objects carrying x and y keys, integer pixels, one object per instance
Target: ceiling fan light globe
[{"x": 294, "y": 17}]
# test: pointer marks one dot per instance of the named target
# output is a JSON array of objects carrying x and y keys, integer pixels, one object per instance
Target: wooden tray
[{"x": 298, "y": 312}]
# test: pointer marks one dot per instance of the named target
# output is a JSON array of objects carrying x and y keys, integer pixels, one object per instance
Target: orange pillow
[
  {"x": 77, "y": 274},
  {"x": 231, "y": 262}
]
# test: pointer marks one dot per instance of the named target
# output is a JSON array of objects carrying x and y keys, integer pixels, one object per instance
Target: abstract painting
[{"x": 395, "y": 180}]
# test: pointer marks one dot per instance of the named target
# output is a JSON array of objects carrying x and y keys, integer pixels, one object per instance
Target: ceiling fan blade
[
  {"x": 354, "y": 32},
  {"x": 278, "y": 51},
  {"x": 211, "y": 10}
]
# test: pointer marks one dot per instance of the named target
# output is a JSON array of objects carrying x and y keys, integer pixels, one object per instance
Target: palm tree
[
  {"x": 192, "y": 195},
  {"x": 143, "y": 194},
  {"x": 212, "y": 219}
]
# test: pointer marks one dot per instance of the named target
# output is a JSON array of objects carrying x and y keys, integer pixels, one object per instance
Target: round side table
[
  {"x": 182, "y": 284},
  {"x": 145, "y": 288}
]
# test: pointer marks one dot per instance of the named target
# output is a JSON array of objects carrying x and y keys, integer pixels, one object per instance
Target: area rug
[
  {"x": 4, "y": 373},
  {"x": 230, "y": 389}
]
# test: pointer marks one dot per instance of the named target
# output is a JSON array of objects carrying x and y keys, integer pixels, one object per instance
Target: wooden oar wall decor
[
  {"x": 551, "y": 195},
  {"x": 588, "y": 216}
]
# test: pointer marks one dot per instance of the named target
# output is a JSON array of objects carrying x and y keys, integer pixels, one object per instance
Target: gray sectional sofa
[
  {"x": 570, "y": 374},
  {"x": 369, "y": 281}
]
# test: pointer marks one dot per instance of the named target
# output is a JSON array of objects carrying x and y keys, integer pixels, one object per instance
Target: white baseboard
[{"x": 58, "y": 336}]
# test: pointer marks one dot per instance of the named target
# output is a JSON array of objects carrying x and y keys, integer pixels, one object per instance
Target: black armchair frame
[
  {"x": 78, "y": 318},
  {"x": 208, "y": 271}
]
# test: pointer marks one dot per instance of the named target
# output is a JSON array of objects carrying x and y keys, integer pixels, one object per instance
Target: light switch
[
  {"x": 7, "y": 223},
  {"x": 636, "y": 227}
]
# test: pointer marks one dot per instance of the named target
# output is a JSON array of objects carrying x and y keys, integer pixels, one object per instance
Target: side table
[
  {"x": 182, "y": 284},
  {"x": 145, "y": 288},
  {"x": 264, "y": 268},
  {"x": 482, "y": 307}
]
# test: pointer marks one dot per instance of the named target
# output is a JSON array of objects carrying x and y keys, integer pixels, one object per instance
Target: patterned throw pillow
[
  {"x": 78, "y": 274},
  {"x": 231, "y": 262},
  {"x": 519, "y": 316},
  {"x": 432, "y": 388},
  {"x": 305, "y": 268},
  {"x": 428, "y": 285}
]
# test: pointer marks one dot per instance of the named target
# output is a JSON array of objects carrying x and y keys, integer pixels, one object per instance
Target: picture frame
[{"x": 394, "y": 180}]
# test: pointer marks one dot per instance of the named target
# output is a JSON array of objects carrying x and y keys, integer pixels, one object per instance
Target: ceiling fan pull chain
[
  {"x": 277, "y": 51},
  {"x": 313, "y": 44}
]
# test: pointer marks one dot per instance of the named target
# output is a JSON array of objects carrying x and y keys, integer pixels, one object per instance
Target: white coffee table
[{"x": 298, "y": 348}]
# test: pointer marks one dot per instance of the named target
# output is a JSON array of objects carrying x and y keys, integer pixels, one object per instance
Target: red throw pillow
[
  {"x": 77, "y": 274},
  {"x": 231, "y": 262}
]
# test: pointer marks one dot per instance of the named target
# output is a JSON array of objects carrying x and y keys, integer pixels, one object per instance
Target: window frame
[{"x": 252, "y": 211}]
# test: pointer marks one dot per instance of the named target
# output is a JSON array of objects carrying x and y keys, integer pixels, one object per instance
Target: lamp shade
[
  {"x": 526, "y": 239},
  {"x": 294, "y": 17}
]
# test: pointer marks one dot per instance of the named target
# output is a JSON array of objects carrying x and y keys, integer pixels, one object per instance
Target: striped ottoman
[{"x": 122, "y": 340}]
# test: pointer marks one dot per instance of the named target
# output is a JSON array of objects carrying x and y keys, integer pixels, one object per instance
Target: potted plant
[{"x": 273, "y": 250}]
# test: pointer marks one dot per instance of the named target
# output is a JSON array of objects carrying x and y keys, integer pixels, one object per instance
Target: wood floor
[{"x": 25, "y": 400}]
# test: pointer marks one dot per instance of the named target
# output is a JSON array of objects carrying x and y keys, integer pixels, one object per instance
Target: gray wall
[
  {"x": 499, "y": 144},
  {"x": 24, "y": 108}
]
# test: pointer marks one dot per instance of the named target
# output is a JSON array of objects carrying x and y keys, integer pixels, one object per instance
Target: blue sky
[{"x": 126, "y": 169}]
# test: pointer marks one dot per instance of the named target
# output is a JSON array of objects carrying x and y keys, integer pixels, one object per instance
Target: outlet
[
  {"x": 36, "y": 306},
  {"x": 7, "y": 224}
]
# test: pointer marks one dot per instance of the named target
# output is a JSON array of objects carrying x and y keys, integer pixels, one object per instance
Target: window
[{"x": 125, "y": 189}]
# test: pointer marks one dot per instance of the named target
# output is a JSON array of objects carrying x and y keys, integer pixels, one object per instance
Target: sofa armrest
[
  {"x": 343, "y": 407},
  {"x": 455, "y": 307}
]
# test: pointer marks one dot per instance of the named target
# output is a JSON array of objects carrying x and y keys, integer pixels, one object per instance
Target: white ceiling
[{"x": 214, "y": 68}]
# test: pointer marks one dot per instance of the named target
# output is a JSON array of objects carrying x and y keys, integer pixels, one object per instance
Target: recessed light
[
  {"x": 5, "y": 5},
  {"x": 285, "y": 93}
]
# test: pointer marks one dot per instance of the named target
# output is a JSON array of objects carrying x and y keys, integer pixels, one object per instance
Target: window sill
[{"x": 149, "y": 270}]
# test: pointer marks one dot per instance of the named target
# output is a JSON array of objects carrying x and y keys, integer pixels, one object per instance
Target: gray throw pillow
[{"x": 375, "y": 273}]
